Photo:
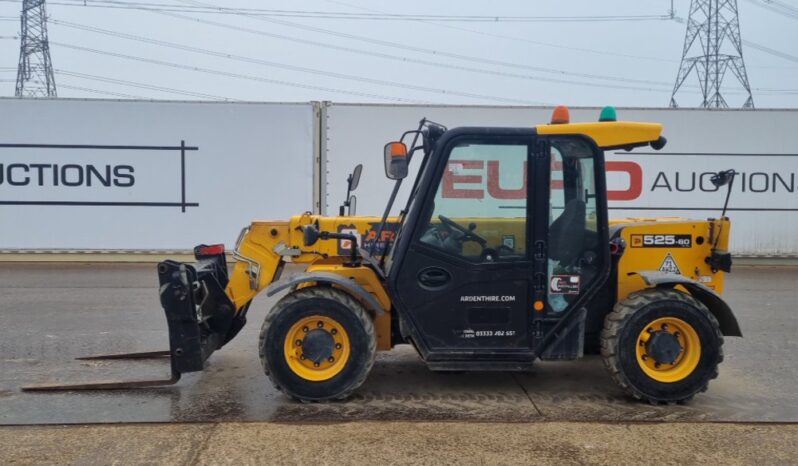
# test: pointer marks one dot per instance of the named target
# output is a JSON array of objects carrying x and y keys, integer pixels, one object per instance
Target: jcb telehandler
[{"x": 503, "y": 254}]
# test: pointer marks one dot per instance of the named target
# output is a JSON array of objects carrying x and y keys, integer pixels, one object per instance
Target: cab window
[
  {"x": 480, "y": 206},
  {"x": 574, "y": 248}
]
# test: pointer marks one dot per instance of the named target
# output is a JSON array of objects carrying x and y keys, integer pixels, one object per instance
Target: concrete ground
[
  {"x": 377, "y": 443},
  {"x": 561, "y": 412}
]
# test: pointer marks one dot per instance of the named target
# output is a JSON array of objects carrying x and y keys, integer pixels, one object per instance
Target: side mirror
[
  {"x": 352, "y": 205},
  {"x": 310, "y": 234},
  {"x": 351, "y": 184},
  {"x": 354, "y": 178},
  {"x": 395, "y": 160}
]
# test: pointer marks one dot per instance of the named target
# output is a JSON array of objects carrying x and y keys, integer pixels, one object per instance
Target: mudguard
[
  {"x": 347, "y": 284},
  {"x": 717, "y": 306}
]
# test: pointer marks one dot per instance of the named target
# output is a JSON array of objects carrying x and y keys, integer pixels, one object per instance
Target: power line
[
  {"x": 237, "y": 75},
  {"x": 403, "y": 59},
  {"x": 409, "y": 47},
  {"x": 406, "y": 59},
  {"x": 296, "y": 68},
  {"x": 777, "y": 7},
  {"x": 518, "y": 39},
  {"x": 436, "y": 53},
  {"x": 97, "y": 91},
  {"x": 770, "y": 51},
  {"x": 151, "y": 87},
  {"x": 356, "y": 16},
  {"x": 783, "y": 5}
]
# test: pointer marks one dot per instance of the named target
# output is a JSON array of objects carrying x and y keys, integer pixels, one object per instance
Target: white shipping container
[{"x": 137, "y": 175}]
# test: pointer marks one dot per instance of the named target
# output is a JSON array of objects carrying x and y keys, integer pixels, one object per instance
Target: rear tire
[
  {"x": 671, "y": 313},
  {"x": 344, "y": 337}
]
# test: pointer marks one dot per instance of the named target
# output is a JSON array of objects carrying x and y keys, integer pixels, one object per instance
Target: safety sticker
[
  {"x": 564, "y": 284},
  {"x": 669, "y": 265},
  {"x": 662, "y": 241},
  {"x": 345, "y": 244}
]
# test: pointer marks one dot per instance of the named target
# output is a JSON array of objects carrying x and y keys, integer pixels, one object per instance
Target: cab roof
[{"x": 609, "y": 134}]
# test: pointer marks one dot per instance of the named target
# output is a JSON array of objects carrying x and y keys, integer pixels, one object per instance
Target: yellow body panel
[
  {"x": 259, "y": 250},
  {"x": 689, "y": 260},
  {"x": 609, "y": 133},
  {"x": 256, "y": 250},
  {"x": 369, "y": 280}
]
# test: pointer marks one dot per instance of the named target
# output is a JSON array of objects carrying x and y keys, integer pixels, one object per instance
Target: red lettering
[
  {"x": 496, "y": 191},
  {"x": 635, "y": 181},
  {"x": 556, "y": 166},
  {"x": 449, "y": 179}
]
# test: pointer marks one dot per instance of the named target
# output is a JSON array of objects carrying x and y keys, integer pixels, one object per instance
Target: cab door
[
  {"x": 577, "y": 262},
  {"x": 464, "y": 277}
]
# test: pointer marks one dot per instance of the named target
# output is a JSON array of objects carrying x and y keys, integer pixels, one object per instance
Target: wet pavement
[{"x": 52, "y": 313}]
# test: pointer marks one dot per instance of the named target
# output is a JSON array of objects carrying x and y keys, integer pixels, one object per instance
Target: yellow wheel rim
[
  {"x": 335, "y": 345},
  {"x": 684, "y": 364}
]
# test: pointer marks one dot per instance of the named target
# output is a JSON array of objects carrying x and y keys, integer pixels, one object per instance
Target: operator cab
[{"x": 504, "y": 237}]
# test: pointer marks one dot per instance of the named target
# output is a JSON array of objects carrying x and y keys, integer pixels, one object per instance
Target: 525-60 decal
[{"x": 662, "y": 241}]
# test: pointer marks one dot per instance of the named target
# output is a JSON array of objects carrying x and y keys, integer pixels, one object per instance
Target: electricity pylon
[
  {"x": 712, "y": 47},
  {"x": 35, "y": 77}
]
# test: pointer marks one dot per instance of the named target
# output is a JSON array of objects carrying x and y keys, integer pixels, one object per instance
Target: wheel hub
[
  {"x": 664, "y": 347},
  {"x": 668, "y": 349},
  {"x": 318, "y": 345}
]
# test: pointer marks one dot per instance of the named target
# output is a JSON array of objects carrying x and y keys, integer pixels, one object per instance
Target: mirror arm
[{"x": 352, "y": 238}]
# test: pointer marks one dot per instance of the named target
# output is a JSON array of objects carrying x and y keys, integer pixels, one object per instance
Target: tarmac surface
[{"x": 52, "y": 313}]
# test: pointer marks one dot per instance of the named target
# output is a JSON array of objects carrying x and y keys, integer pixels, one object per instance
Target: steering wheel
[{"x": 467, "y": 234}]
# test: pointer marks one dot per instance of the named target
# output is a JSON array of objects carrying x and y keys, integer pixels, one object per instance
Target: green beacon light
[{"x": 608, "y": 114}]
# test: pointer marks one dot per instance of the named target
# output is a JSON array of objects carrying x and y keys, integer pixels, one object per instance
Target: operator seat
[{"x": 567, "y": 233}]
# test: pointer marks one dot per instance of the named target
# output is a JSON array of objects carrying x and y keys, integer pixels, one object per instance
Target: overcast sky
[{"x": 279, "y": 58}]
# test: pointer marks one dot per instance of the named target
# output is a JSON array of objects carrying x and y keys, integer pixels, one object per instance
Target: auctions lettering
[{"x": 69, "y": 175}]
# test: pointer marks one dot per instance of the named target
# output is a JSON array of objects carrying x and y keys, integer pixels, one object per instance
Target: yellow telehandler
[{"x": 503, "y": 254}]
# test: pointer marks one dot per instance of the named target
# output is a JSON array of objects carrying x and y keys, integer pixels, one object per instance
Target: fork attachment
[
  {"x": 200, "y": 316},
  {"x": 111, "y": 384}
]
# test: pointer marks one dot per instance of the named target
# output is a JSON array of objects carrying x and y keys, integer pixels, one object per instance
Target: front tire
[
  {"x": 317, "y": 344},
  {"x": 661, "y": 345}
]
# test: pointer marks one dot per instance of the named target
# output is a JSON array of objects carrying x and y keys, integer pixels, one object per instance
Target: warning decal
[
  {"x": 564, "y": 284},
  {"x": 669, "y": 265}
]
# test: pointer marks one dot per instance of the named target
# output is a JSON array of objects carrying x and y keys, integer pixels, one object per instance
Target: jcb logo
[{"x": 662, "y": 241}]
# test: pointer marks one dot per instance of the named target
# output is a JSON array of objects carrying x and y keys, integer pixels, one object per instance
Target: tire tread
[
  {"x": 320, "y": 292},
  {"x": 619, "y": 316}
]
